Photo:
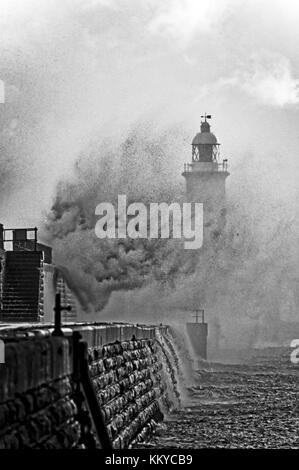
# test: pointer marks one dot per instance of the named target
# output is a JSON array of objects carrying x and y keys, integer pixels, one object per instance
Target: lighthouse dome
[{"x": 204, "y": 138}]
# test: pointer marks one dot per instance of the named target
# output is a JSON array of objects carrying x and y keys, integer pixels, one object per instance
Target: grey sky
[{"x": 74, "y": 69}]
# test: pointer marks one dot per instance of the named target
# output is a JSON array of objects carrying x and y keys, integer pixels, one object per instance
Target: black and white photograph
[{"x": 149, "y": 228}]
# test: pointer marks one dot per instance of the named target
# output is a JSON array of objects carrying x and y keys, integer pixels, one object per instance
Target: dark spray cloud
[{"x": 138, "y": 168}]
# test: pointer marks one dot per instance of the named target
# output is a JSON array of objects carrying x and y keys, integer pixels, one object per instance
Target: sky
[{"x": 76, "y": 69}]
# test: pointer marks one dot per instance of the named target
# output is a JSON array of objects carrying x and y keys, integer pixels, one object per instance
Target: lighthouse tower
[{"x": 205, "y": 180}]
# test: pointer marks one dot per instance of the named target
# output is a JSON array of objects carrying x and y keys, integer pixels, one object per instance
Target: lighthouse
[{"x": 205, "y": 181}]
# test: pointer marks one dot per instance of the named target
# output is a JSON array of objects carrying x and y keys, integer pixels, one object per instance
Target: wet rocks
[{"x": 248, "y": 405}]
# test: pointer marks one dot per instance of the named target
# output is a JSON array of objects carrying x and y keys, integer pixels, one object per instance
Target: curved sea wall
[{"x": 97, "y": 386}]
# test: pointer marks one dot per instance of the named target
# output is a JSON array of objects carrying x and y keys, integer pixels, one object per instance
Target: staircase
[{"x": 20, "y": 294}]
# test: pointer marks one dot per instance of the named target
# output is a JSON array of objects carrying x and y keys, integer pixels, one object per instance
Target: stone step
[
  {"x": 20, "y": 311},
  {"x": 22, "y": 267},
  {"x": 14, "y": 274},
  {"x": 19, "y": 281},
  {"x": 20, "y": 295},
  {"x": 15, "y": 288},
  {"x": 19, "y": 287},
  {"x": 20, "y": 318},
  {"x": 19, "y": 298},
  {"x": 19, "y": 303}
]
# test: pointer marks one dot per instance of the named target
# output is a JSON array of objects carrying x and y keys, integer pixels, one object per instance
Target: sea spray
[
  {"x": 186, "y": 361},
  {"x": 171, "y": 371}
]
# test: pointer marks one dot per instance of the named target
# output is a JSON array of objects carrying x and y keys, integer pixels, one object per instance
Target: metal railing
[
  {"x": 199, "y": 315},
  {"x": 214, "y": 166},
  {"x": 18, "y": 239}
]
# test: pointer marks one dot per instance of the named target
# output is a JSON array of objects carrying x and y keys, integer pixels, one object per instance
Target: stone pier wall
[{"x": 43, "y": 401}]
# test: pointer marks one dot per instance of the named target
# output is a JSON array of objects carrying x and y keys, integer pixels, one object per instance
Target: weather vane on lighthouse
[{"x": 206, "y": 116}]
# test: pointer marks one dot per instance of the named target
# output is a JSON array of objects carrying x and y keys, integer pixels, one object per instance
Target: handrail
[{"x": 221, "y": 167}]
